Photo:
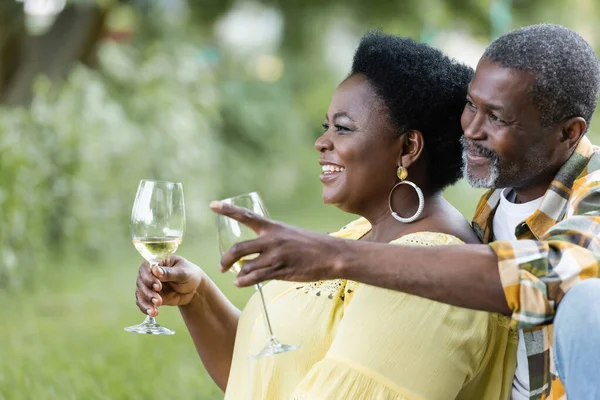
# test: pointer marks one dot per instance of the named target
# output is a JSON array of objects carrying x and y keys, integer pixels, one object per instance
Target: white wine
[
  {"x": 156, "y": 249},
  {"x": 238, "y": 265}
]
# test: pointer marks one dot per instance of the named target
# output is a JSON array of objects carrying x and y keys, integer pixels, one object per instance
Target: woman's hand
[
  {"x": 209, "y": 316},
  {"x": 285, "y": 252},
  {"x": 174, "y": 282}
]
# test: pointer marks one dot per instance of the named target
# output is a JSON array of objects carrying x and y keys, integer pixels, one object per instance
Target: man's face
[{"x": 504, "y": 142}]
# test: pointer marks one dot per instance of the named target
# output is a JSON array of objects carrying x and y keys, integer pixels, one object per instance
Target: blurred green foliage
[
  {"x": 70, "y": 164},
  {"x": 171, "y": 101}
]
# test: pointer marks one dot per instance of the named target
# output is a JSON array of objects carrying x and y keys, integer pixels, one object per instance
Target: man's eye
[
  {"x": 470, "y": 104},
  {"x": 494, "y": 118}
]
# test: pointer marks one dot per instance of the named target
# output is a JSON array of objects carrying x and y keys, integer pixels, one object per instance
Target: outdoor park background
[{"x": 224, "y": 96}]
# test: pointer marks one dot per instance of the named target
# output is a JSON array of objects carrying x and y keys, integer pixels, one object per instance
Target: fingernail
[
  {"x": 162, "y": 270},
  {"x": 215, "y": 204},
  {"x": 222, "y": 268},
  {"x": 148, "y": 311},
  {"x": 156, "y": 287},
  {"x": 154, "y": 301},
  {"x": 236, "y": 283}
]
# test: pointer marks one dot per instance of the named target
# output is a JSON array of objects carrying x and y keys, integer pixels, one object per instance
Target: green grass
[
  {"x": 64, "y": 338},
  {"x": 66, "y": 341}
]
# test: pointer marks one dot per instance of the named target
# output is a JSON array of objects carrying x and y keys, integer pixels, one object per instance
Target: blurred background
[{"x": 224, "y": 96}]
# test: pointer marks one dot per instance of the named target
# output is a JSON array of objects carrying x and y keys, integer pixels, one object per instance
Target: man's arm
[
  {"x": 537, "y": 274},
  {"x": 524, "y": 278},
  {"x": 462, "y": 275}
]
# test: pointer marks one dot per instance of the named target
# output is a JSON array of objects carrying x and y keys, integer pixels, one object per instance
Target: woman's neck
[{"x": 384, "y": 228}]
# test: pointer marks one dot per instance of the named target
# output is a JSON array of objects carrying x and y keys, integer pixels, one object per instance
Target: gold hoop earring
[{"x": 402, "y": 174}]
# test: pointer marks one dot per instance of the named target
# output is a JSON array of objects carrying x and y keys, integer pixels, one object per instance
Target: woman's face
[{"x": 359, "y": 149}]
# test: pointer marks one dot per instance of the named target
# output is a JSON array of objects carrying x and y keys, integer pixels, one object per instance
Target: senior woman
[{"x": 390, "y": 146}]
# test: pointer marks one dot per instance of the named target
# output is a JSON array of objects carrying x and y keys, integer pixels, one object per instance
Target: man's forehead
[{"x": 495, "y": 82}]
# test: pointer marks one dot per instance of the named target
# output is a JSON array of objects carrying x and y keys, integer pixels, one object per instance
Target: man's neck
[{"x": 526, "y": 195}]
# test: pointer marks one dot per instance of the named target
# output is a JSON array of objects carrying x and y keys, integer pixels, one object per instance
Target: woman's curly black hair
[{"x": 423, "y": 90}]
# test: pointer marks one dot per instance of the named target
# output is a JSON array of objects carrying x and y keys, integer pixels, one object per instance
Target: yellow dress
[{"x": 363, "y": 342}]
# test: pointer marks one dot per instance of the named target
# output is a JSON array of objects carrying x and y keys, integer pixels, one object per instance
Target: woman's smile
[{"x": 330, "y": 171}]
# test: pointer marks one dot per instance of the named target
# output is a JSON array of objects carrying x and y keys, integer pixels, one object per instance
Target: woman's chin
[
  {"x": 334, "y": 201},
  {"x": 329, "y": 199},
  {"x": 326, "y": 200}
]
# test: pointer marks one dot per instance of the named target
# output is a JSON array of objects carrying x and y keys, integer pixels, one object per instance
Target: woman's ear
[{"x": 412, "y": 148}]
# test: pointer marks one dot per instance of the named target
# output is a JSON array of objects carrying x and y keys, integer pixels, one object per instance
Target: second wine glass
[{"x": 229, "y": 232}]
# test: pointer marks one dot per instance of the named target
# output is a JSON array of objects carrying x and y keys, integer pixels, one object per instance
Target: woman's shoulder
[
  {"x": 353, "y": 230},
  {"x": 427, "y": 239},
  {"x": 450, "y": 231}
]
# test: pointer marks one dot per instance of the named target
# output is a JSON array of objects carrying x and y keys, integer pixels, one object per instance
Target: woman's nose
[{"x": 323, "y": 143}]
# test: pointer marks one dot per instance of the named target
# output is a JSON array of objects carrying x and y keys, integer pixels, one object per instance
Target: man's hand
[{"x": 285, "y": 252}]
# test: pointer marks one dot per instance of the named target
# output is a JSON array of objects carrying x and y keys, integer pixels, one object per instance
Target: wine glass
[
  {"x": 157, "y": 226},
  {"x": 229, "y": 232}
]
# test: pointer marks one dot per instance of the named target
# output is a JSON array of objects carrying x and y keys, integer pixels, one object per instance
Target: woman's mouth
[{"x": 331, "y": 171}]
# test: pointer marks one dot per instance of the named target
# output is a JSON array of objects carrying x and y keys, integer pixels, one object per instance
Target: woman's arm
[
  {"x": 212, "y": 322},
  {"x": 209, "y": 316}
]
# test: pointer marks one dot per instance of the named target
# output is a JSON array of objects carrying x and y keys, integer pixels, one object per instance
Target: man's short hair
[{"x": 564, "y": 68}]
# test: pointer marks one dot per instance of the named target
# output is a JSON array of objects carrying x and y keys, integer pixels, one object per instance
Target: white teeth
[{"x": 329, "y": 168}]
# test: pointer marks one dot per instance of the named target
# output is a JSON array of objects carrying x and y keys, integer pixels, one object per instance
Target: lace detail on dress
[
  {"x": 504, "y": 321},
  {"x": 338, "y": 288},
  {"x": 415, "y": 241},
  {"x": 427, "y": 239}
]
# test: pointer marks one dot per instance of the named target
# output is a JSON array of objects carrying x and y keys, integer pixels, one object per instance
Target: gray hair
[{"x": 564, "y": 68}]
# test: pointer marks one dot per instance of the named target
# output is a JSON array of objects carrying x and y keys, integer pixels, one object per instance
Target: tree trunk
[{"x": 72, "y": 38}]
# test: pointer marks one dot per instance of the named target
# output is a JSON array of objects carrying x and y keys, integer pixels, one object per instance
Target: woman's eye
[
  {"x": 325, "y": 126},
  {"x": 470, "y": 104},
  {"x": 341, "y": 128}
]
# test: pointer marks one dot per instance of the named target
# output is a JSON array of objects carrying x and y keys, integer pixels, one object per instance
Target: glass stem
[{"x": 267, "y": 320}]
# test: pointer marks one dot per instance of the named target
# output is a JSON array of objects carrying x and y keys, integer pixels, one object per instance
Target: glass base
[
  {"x": 273, "y": 348},
  {"x": 150, "y": 327}
]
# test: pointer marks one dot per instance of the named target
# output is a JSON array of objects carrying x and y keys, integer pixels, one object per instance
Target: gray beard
[{"x": 489, "y": 182}]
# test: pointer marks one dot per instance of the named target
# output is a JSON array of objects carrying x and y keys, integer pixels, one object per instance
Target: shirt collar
[{"x": 554, "y": 203}]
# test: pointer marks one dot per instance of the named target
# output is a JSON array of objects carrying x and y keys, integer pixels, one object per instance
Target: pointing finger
[{"x": 240, "y": 214}]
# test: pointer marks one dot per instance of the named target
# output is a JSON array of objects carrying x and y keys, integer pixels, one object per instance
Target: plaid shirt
[{"x": 558, "y": 246}]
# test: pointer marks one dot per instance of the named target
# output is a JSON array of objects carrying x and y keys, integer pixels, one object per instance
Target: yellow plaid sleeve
[{"x": 536, "y": 274}]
